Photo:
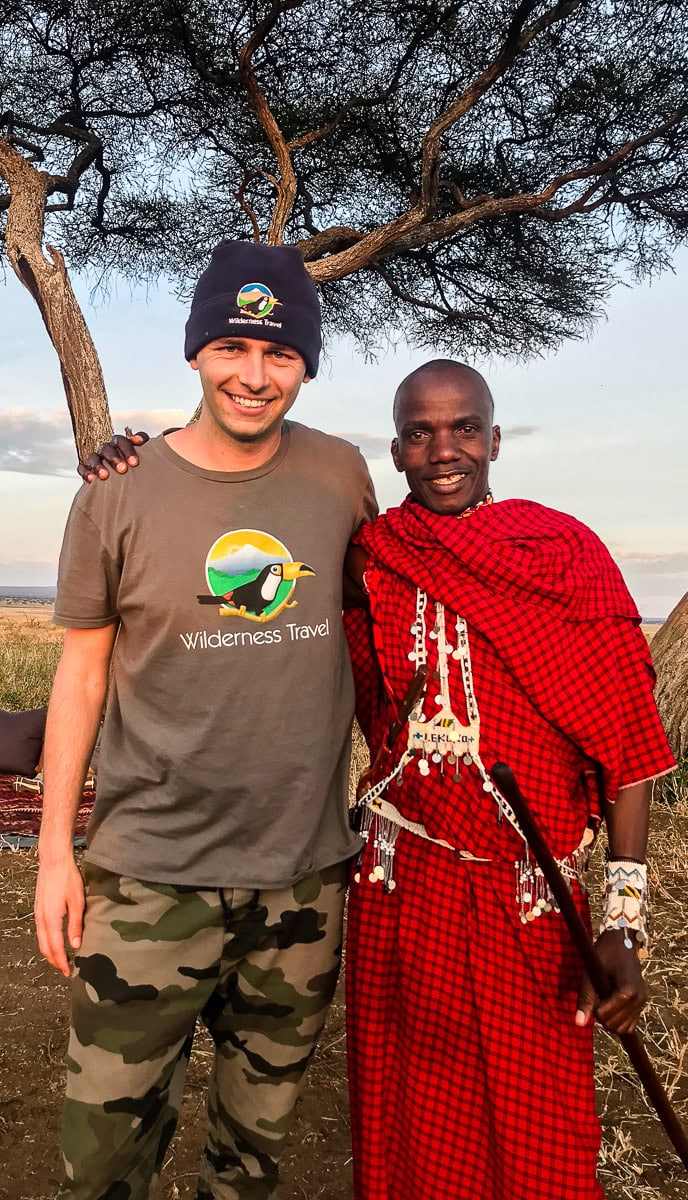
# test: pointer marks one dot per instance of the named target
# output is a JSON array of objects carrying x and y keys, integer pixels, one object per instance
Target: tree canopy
[{"x": 473, "y": 175}]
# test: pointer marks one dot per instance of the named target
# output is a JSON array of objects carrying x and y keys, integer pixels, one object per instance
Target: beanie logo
[{"x": 256, "y": 300}]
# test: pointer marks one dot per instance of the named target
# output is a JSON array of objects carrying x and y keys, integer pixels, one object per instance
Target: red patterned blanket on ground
[{"x": 20, "y": 814}]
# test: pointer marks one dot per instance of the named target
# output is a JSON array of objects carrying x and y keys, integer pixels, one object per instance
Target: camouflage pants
[{"x": 258, "y": 967}]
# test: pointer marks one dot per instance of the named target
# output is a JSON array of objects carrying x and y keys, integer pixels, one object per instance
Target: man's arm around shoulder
[
  {"x": 355, "y": 595},
  {"x": 76, "y": 706}
]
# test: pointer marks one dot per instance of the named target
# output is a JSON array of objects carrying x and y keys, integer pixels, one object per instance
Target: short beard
[{"x": 249, "y": 437}]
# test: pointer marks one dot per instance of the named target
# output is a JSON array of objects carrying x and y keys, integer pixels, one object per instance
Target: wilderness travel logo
[
  {"x": 256, "y": 300},
  {"x": 252, "y": 575}
]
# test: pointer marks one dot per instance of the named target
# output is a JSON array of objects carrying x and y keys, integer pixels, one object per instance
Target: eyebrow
[
  {"x": 415, "y": 425},
  {"x": 422, "y": 423},
  {"x": 232, "y": 339}
]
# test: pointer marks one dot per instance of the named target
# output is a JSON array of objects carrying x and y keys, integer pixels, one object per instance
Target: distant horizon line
[
  {"x": 48, "y": 592},
  {"x": 19, "y": 590}
]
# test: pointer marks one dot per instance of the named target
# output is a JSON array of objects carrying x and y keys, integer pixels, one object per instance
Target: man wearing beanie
[{"x": 216, "y": 856}]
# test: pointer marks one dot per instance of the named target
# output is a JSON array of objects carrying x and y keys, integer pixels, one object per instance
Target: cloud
[
  {"x": 42, "y": 443},
  {"x": 151, "y": 420},
  {"x": 373, "y": 446},
  {"x": 32, "y": 574},
  {"x": 657, "y": 581},
  {"x": 672, "y": 564},
  {"x": 370, "y": 445},
  {"x": 517, "y": 431},
  {"x": 37, "y": 444}
]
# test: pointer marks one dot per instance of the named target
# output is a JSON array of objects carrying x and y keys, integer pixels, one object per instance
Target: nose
[
  {"x": 252, "y": 372},
  {"x": 443, "y": 447}
]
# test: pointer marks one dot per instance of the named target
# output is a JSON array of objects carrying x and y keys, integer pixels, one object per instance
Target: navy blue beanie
[{"x": 255, "y": 291}]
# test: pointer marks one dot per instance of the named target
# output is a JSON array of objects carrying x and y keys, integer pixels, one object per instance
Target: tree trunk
[
  {"x": 48, "y": 282},
  {"x": 670, "y": 655}
]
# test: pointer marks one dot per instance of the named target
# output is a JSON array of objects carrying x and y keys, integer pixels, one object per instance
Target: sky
[{"x": 598, "y": 429}]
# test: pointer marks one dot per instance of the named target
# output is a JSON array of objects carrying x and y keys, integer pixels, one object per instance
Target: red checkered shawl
[{"x": 562, "y": 673}]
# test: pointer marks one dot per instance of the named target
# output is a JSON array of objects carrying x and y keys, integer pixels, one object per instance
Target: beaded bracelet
[{"x": 626, "y": 901}]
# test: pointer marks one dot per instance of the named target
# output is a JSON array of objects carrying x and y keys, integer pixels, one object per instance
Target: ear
[
  {"x": 496, "y": 441},
  {"x": 193, "y": 363},
  {"x": 396, "y": 454},
  {"x": 307, "y": 378}
]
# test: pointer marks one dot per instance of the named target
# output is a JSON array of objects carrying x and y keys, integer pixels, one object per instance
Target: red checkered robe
[{"x": 469, "y": 1078}]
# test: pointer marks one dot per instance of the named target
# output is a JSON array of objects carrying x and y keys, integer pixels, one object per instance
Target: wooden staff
[{"x": 599, "y": 976}]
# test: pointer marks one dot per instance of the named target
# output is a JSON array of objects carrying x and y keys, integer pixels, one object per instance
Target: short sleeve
[
  {"x": 646, "y": 752},
  {"x": 88, "y": 576}
]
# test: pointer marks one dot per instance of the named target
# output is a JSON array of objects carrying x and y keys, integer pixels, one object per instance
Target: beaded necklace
[
  {"x": 441, "y": 736},
  {"x": 432, "y": 740}
]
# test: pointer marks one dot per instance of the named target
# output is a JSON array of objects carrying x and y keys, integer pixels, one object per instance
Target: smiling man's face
[
  {"x": 249, "y": 386},
  {"x": 445, "y": 437}
]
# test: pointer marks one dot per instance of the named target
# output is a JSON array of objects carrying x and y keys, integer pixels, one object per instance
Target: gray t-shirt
[{"x": 225, "y": 750}]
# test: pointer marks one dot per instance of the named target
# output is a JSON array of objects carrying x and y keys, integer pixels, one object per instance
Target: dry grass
[
  {"x": 637, "y": 1160},
  {"x": 636, "y": 1163},
  {"x": 29, "y": 653},
  {"x": 674, "y": 788}
]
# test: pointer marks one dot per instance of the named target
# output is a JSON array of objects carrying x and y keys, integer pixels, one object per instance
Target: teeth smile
[
  {"x": 450, "y": 478},
  {"x": 247, "y": 402}
]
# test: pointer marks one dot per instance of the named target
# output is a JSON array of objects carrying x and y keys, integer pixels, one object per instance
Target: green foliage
[{"x": 27, "y": 669}]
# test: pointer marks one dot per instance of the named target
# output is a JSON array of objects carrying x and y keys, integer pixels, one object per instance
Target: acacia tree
[
  {"x": 471, "y": 175},
  {"x": 75, "y": 108}
]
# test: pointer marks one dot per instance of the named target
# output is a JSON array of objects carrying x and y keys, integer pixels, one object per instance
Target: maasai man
[{"x": 470, "y": 1031}]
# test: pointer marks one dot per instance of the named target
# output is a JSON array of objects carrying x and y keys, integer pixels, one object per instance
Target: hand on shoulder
[{"x": 119, "y": 454}]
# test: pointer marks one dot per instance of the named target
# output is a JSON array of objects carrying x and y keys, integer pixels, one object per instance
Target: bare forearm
[
  {"x": 628, "y": 821},
  {"x": 75, "y": 709},
  {"x": 74, "y": 714}
]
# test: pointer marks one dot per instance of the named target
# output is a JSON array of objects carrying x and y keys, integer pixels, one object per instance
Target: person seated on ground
[{"x": 21, "y": 741}]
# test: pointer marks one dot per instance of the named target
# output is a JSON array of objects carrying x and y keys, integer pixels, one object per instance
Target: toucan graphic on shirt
[{"x": 251, "y": 574}]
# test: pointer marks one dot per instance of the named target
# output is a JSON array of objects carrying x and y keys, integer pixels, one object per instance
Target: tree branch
[
  {"x": 395, "y": 288},
  {"x": 517, "y": 40},
  {"x": 286, "y": 186},
  {"x": 357, "y": 102},
  {"x": 329, "y": 241},
  {"x": 443, "y": 310},
  {"x": 248, "y": 176},
  {"x": 395, "y": 238},
  {"x": 48, "y": 282},
  {"x": 411, "y": 228}
]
